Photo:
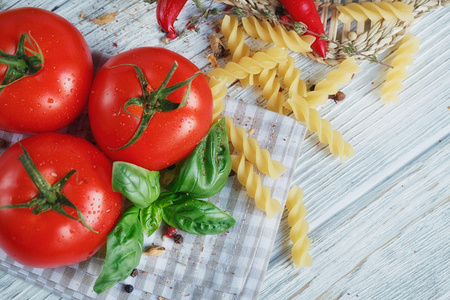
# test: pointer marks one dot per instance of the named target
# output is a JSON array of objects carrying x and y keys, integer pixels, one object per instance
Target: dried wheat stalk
[{"x": 368, "y": 38}]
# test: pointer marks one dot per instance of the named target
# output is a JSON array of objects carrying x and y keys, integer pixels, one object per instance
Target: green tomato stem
[
  {"x": 50, "y": 196},
  {"x": 155, "y": 101},
  {"x": 20, "y": 64}
]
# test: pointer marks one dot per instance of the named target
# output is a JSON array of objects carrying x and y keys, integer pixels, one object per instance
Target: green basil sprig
[
  {"x": 151, "y": 218},
  {"x": 195, "y": 216},
  {"x": 206, "y": 170},
  {"x": 123, "y": 250},
  {"x": 139, "y": 185}
]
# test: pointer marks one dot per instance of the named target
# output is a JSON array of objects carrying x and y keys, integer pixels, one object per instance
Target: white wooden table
[{"x": 380, "y": 223}]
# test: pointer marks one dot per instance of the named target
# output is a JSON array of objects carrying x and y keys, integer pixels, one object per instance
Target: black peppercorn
[
  {"x": 128, "y": 288},
  {"x": 134, "y": 273},
  {"x": 178, "y": 239},
  {"x": 279, "y": 11}
]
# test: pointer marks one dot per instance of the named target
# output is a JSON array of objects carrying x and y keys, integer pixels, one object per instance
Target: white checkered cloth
[{"x": 231, "y": 265}]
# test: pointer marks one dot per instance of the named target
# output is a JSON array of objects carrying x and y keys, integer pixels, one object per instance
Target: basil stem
[
  {"x": 205, "y": 172},
  {"x": 139, "y": 185},
  {"x": 196, "y": 216},
  {"x": 123, "y": 250}
]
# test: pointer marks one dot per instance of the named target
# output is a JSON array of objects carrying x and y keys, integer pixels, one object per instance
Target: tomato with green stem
[
  {"x": 57, "y": 205},
  {"x": 149, "y": 106},
  {"x": 46, "y": 71}
]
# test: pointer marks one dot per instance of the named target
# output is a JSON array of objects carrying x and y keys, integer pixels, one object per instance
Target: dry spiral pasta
[
  {"x": 327, "y": 135},
  {"x": 270, "y": 85},
  {"x": 249, "y": 147},
  {"x": 219, "y": 90},
  {"x": 252, "y": 182},
  {"x": 282, "y": 38},
  {"x": 303, "y": 112},
  {"x": 291, "y": 77},
  {"x": 402, "y": 59},
  {"x": 249, "y": 65},
  {"x": 299, "y": 228},
  {"x": 375, "y": 11},
  {"x": 235, "y": 37},
  {"x": 331, "y": 84}
]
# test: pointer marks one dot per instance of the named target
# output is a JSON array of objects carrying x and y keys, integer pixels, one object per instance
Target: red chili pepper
[
  {"x": 167, "y": 12},
  {"x": 305, "y": 11}
]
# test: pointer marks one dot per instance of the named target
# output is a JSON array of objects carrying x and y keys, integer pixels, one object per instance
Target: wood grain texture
[{"x": 378, "y": 223}]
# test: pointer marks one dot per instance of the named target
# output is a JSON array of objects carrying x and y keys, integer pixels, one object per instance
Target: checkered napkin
[{"x": 231, "y": 265}]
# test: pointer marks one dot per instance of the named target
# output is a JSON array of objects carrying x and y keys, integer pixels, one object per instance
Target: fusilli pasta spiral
[
  {"x": 291, "y": 77},
  {"x": 282, "y": 38},
  {"x": 235, "y": 37},
  {"x": 299, "y": 228},
  {"x": 252, "y": 182},
  {"x": 270, "y": 85},
  {"x": 331, "y": 84},
  {"x": 327, "y": 135},
  {"x": 402, "y": 59},
  {"x": 249, "y": 147},
  {"x": 219, "y": 90},
  {"x": 375, "y": 11},
  {"x": 249, "y": 65}
]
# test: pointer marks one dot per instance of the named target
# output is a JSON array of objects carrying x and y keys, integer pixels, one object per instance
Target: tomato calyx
[
  {"x": 20, "y": 64},
  {"x": 50, "y": 196},
  {"x": 153, "y": 101}
]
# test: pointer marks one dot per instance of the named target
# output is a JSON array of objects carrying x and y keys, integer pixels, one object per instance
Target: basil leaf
[
  {"x": 124, "y": 246},
  {"x": 168, "y": 198},
  {"x": 151, "y": 218},
  {"x": 139, "y": 185},
  {"x": 197, "y": 217},
  {"x": 205, "y": 172}
]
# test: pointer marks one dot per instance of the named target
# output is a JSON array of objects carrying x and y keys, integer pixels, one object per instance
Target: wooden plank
[
  {"x": 385, "y": 137},
  {"x": 391, "y": 244},
  {"x": 365, "y": 215}
]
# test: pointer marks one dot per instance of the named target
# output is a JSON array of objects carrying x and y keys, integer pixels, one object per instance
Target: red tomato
[
  {"x": 49, "y": 239},
  {"x": 170, "y": 136},
  {"x": 53, "y": 97}
]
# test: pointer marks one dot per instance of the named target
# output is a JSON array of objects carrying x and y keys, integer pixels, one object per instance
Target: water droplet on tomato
[{"x": 50, "y": 100}]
